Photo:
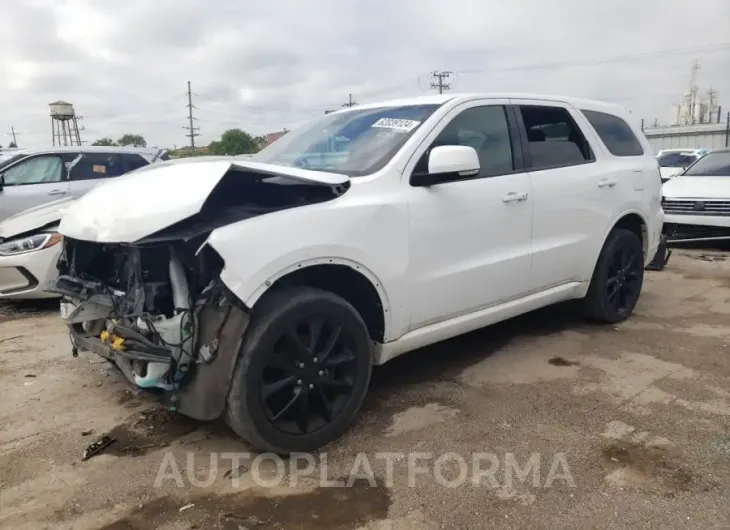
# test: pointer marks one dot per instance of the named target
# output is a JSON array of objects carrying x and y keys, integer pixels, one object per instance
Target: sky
[{"x": 264, "y": 65}]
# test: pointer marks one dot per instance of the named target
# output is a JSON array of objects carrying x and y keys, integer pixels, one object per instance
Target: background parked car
[
  {"x": 29, "y": 250},
  {"x": 674, "y": 161},
  {"x": 697, "y": 203},
  {"x": 32, "y": 178}
]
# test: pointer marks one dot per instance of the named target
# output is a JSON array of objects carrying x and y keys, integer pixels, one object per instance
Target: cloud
[{"x": 267, "y": 64}]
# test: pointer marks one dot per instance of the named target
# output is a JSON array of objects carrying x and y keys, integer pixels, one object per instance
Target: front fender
[{"x": 370, "y": 238}]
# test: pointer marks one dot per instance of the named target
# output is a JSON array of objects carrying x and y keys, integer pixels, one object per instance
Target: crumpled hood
[
  {"x": 128, "y": 208},
  {"x": 34, "y": 218},
  {"x": 697, "y": 188}
]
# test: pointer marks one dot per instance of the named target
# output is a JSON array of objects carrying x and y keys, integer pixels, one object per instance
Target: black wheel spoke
[
  {"x": 315, "y": 332},
  {"x": 289, "y": 406},
  {"x": 345, "y": 357},
  {"x": 331, "y": 341},
  {"x": 621, "y": 298},
  {"x": 270, "y": 389},
  {"x": 340, "y": 386},
  {"x": 300, "y": 350},
  {"x": 303, "y": 414},
  {"x": 612, "y": 280},
  {"x": 326, "y": 405},
  {"x": 612, "y": 295},
  {"x": 629, "y": 258},
  {"x": 279, "y": 361}
]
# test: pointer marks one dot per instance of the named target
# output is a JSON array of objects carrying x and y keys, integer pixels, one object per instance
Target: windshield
[
  {"x": 676, "y": 159},
  {"x": 355, "y": 143},
  {"x": 6, "y": 160},
  {"x": 713, "y": 164}
]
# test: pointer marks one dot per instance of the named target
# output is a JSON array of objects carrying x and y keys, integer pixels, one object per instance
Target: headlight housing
[{"x": 32, "y": 243}]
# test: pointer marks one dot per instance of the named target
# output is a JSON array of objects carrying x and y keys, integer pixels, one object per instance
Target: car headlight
[{"x": 29, "y": 243}]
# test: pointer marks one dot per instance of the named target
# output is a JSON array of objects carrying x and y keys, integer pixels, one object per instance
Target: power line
[
  {"x": 191, "y": 128},
  {"x": 439, "y": 83}
]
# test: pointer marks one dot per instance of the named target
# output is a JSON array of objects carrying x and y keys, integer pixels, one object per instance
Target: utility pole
[
  {"x": 13, "y": 134},
  {"x": 191, "y": 128},
  {"x": 350, "y": 102},
  {"x": 439, "y": 83}
]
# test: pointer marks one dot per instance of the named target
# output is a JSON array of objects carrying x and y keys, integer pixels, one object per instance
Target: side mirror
[{"x": 447, "y": 163}]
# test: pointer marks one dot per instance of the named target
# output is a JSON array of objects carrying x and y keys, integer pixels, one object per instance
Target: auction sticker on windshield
[{"x": 397, "y": 124}]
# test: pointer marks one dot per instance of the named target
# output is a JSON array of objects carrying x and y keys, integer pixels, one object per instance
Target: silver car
[{"x": 33, "y": 177}]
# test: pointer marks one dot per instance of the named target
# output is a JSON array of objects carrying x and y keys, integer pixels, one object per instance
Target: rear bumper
[{"x": 25, "y": 276}]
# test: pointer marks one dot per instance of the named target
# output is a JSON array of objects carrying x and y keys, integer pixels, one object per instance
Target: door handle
[
  {"x": 606, "y": 183},
  {"x": 514, "y": 196},
  {"x": 57, "y": 192}
]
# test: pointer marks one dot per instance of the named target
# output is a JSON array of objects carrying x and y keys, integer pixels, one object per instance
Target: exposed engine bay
[{"x": 157, "y": 307}]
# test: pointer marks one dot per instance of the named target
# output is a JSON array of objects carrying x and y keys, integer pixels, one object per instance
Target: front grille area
[
  {"x": 697, "y": 206},
  {"x": 679, "y": 232}
]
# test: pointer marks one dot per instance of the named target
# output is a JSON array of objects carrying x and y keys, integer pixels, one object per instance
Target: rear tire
[
  {"x": 302, "y": 373},
  {"x": 617, "y": 279}
]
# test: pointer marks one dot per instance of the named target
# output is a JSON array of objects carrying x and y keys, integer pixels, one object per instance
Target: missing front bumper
[{"x": 203, "y": 392}]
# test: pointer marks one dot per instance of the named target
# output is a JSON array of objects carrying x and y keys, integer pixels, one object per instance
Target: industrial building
[{"x": 697, "y": 121}]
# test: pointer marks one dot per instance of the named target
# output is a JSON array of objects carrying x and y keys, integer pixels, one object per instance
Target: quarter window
[
  {"x": 487, "y": 131},
  {"x": 615, "y": 133},
  {"x": 553, "y": 138},
  {"x": 36, "y": 170},
  {"x": 132, "y": 162}
]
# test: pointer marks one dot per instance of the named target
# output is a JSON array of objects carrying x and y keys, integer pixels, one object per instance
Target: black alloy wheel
[
  {"x": 624, "y": 278},
  {"x": 302, "y": 373},
  {"x": 309, "y": 376},
  {"x": 617, "y": 278}
]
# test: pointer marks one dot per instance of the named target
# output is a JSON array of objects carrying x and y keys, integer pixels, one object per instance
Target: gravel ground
[{"x": 543, "y": 421}]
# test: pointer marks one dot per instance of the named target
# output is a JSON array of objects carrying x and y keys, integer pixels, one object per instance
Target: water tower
[{"x": 64, "y": 124}]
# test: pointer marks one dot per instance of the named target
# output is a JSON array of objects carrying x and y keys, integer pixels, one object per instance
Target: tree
[
  {"x": 105, "y": 142},
  {"x": 234, "y": 142},
  {"x": 135, "y": 140},
  {"x": 13, "y": 145}
]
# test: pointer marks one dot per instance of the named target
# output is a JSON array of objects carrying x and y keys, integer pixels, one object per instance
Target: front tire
[
  {"x": 617, "y": 278},
  {"x": 302, "y": 373}
]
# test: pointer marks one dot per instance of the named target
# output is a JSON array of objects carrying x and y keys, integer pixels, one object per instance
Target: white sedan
[
  {"x": 697, "y": 203},
  {"x": 673, "y": 161},
  {"x": 29, "y": 251}
]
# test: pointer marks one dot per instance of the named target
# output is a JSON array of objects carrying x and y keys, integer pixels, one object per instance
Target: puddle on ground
[
  {"x": 149, "y": 430},
  {"x": 319, "y": 509},
  {"x": 647, "y": 466}
]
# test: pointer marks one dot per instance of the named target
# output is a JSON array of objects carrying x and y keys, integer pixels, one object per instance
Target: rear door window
[
  {"x": 553, "y": 138},
  {"x": 97, "y": 166},
  {"x": 615, "y": 133}
]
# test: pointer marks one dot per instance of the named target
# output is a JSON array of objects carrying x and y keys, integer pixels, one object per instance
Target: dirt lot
[{"x": 631, "y": 425}]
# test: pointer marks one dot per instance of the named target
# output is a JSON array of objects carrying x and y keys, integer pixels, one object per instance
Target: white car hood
[
  {"x": 34, "y": 218},
  {"x": 669, "y": 172},
  {"x": 128, "y": 208},
  {"x": 697, "y": 188}
]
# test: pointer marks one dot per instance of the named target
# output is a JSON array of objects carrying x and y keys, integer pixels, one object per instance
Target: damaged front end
[
  {"x": 160, "y": 312},
  {"x": 141, "y": 286}
]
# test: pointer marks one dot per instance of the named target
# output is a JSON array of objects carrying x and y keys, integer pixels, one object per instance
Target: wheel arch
[
  {"x": 346, "y": 278},
  {"x": 631, "y": 220},
  {"x": 634, "y": 222}
]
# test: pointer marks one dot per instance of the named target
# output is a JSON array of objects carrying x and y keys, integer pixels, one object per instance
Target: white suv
[{"x": 265, "y": 290}]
